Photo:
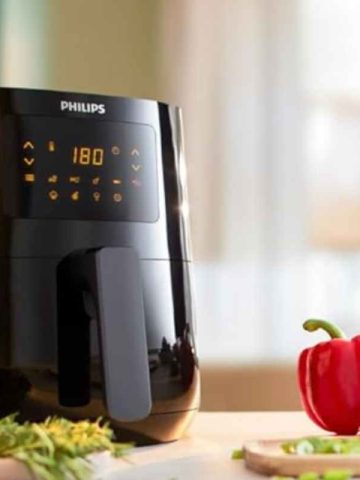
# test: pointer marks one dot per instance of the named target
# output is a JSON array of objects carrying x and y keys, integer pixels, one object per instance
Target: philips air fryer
[{"x": 96, "y": 307}]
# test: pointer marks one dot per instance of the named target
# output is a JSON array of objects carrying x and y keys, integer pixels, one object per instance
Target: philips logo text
[{"x": 82, "y": 107}]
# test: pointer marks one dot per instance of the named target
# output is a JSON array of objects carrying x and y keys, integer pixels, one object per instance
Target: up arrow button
[
  {"x": 28, "y": 144},
  {"x": 135, "y": 152}
]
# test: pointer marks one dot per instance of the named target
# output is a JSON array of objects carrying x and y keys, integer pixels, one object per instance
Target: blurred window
[
  {"x": 271, "y": 92},
  {"x": 23, "y": 43}
]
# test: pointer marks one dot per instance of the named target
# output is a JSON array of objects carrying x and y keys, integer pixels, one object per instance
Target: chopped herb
[
  {"x": 316, "y": 445},
  {"x": 337, "y": 475},
  {"x": 57, "y": 448},
  {"x": 309, "y": 476},
  {"x": 304, "y": 448},
  {"x": 328, "y": 475},
  {"x": 237, "y": 454}
]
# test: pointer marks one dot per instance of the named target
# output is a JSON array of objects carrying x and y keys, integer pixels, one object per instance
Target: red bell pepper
[{"x": 329, "y": 380}]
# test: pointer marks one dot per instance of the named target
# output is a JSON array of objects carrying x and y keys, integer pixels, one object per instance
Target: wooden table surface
[{"x": 205, "y": 450}]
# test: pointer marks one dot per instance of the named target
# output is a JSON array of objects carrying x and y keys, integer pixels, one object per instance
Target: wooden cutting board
[
  {"x": 13, "y": 470},
  {"x": 266, "y": 457}
]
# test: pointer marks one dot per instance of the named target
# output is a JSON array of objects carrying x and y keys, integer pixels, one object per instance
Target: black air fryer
[{"x": 95, "y": 301}]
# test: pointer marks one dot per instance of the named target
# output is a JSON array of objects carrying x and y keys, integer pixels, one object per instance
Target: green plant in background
[{"x": 57, "y": 448}]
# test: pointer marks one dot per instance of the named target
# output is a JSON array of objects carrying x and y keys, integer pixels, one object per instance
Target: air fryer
[{"x": 96, "y": 308}]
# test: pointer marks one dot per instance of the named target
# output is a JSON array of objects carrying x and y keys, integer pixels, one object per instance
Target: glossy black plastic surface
[{"x": 32, "y": 248}]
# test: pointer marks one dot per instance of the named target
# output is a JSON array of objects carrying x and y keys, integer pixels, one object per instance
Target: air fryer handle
[
  {"x": 112, "y": 277},
  {"x": 122, "y": 333}
]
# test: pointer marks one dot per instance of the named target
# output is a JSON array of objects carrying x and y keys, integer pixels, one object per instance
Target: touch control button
[
  {"x": 135, "y": 152},
  {"x": 137, "y": 183},
  {"x": 29, "y": 161},
  {"x": 29, "y": 177},
  {"x": 28, "y": 144},
  {"x": 53, "y": 179},
  {"x": 74, "y": 180},
  {"x": 96, "y": 196},
  {"x": 117, "y": 197},
  {"x": 53, "y": 195},
  {"x": 75, "y": 196}
]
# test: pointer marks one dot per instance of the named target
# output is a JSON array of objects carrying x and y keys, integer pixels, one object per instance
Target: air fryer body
[{"x": 92, "y": 227}]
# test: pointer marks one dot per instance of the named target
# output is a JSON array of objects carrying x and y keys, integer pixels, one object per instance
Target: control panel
[{"x": 70, "y": 168}]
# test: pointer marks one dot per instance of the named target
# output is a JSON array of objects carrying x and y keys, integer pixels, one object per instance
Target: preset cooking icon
[
  {"x": 53, "y": 195},
  {"x": 74, "y": 179},
  {"x": 75, "y": 196},
  {"x": 53, "y": 179},
  {"x": 97, "y": 196}
]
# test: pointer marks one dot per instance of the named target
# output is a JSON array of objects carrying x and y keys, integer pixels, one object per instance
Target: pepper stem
[{"x": 313, "y": 324}]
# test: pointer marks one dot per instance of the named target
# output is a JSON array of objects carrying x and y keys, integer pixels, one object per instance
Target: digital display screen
[{"x": 87, "y": 170}]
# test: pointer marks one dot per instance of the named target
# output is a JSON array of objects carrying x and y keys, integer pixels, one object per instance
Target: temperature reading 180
[{"x": 88, "y": 156}]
